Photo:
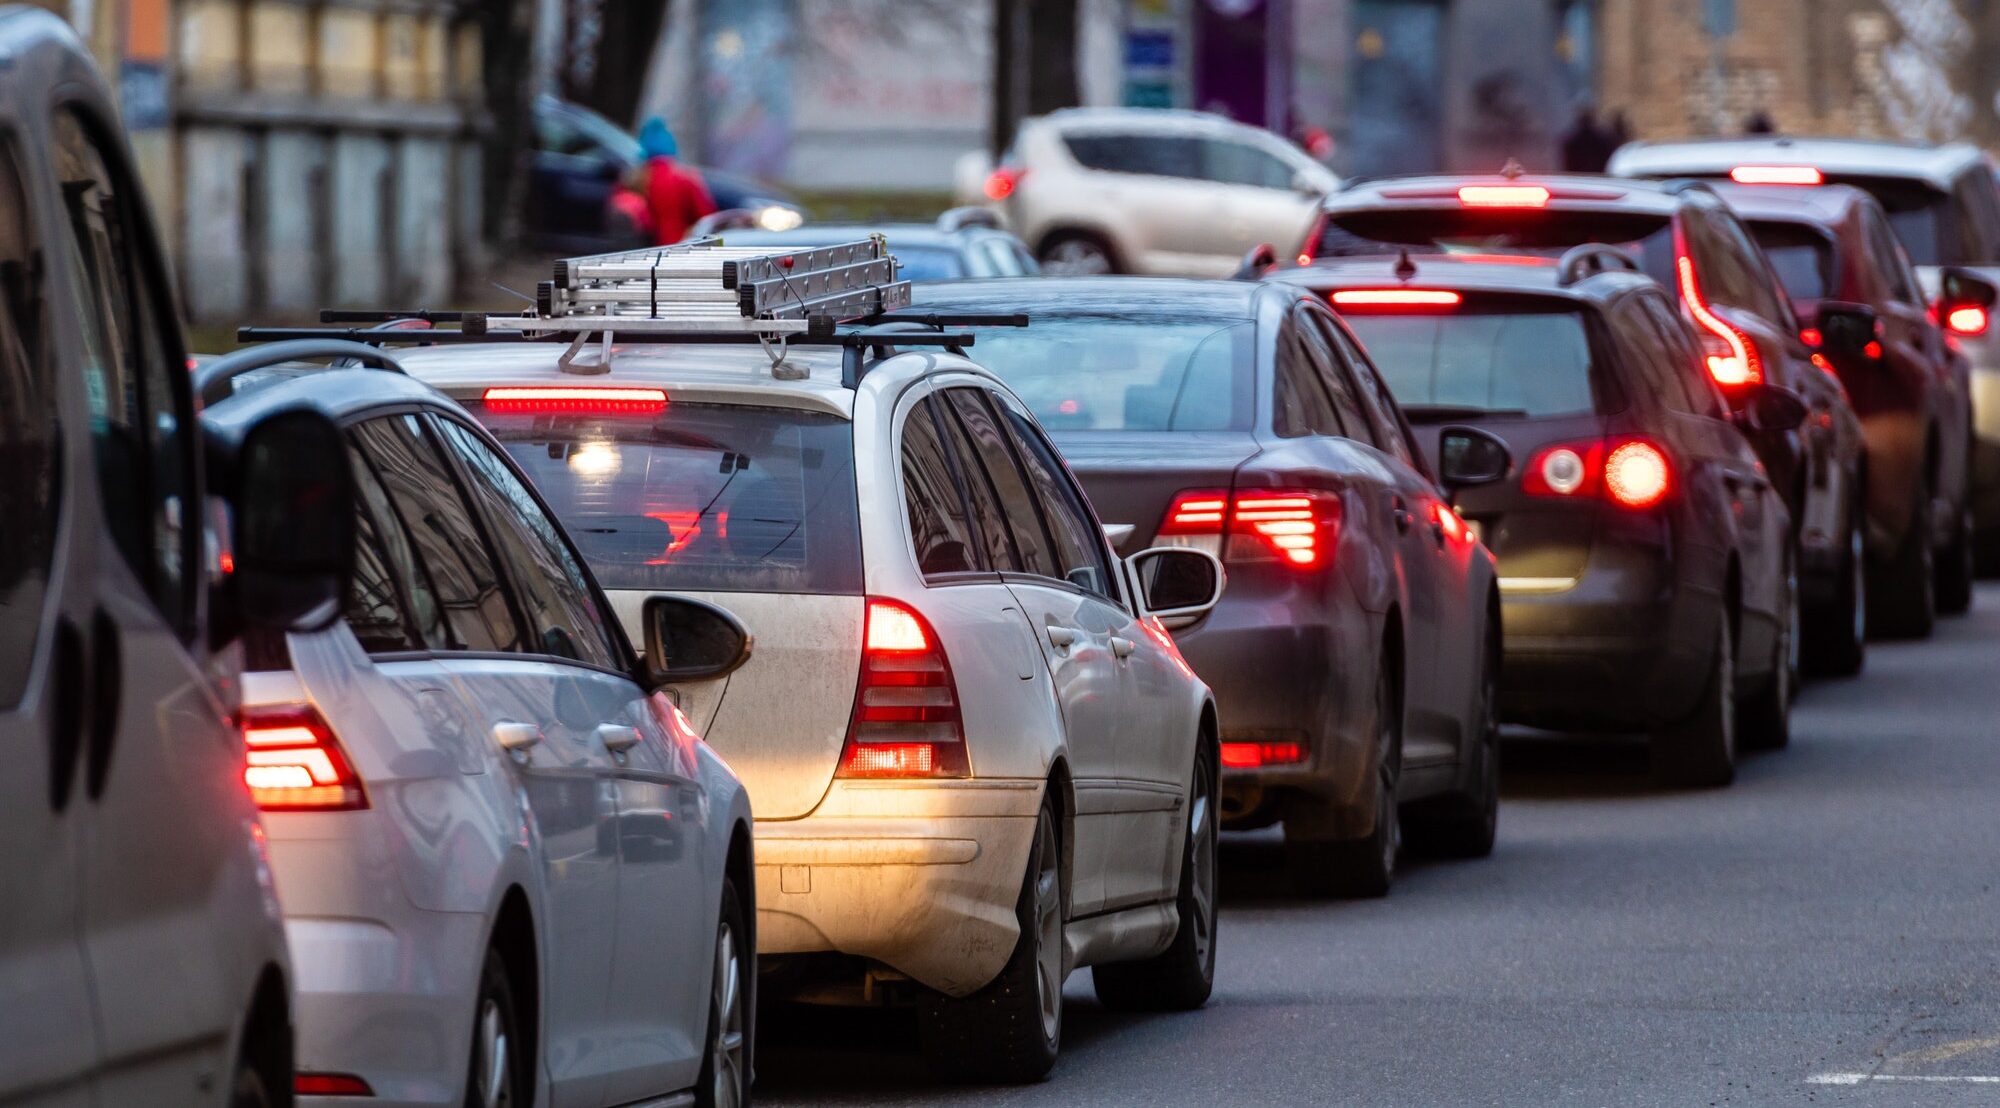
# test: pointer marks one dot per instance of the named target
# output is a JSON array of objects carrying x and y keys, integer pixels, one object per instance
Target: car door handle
[
  {"x": 1122, "y": 647},
  {"x": 516, "y": 737},
  {"x": 1400, "y": 512},
  {"x": 618, "y": 738},
  {"x": 1060, "y": 637}
]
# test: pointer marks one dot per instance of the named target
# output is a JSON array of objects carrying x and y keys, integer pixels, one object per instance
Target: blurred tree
[
  {"x": 1034, "y": 62},
  {"x": 507, "y": 38},
  {"x": 607, "y": 45}
]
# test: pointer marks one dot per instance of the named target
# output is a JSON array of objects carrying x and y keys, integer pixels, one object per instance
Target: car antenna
[
  {"x": 1405, "y": 268},
  {"x": 1513, "y": 170}
]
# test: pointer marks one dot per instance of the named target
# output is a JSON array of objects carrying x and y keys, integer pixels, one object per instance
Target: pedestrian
[
  {"x": 1759, "y": 123},
  {"x": 1587, "y": 146},
  {"x": 675, "y": 196}
]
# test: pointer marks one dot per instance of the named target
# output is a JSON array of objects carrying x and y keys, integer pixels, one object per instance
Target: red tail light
[
  {"x": 1255, "y": 755},
  {"x": 293, "y": 763},
  {"x": 568, "y": 399},
  {"x": 1296, "y": 526},
  {"x": 1504, "y": 196},
  {"x": 906, "y": 720},
  {"x": 1630, "y": 472},
  {"x": 1731, "y": 355},
  {"x": 330, "y": 1084},
  {"x": 1001, "y": 183},
  {"x": 1394, "y": 299},
  {"x": 1812, "y": 337},
  {"x": 1968, "y": 320},
  {"x": 1777, "y": 175}
]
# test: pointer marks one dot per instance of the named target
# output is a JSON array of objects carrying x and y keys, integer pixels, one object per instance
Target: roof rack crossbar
[
  {"x": 212, "y": 377},
  {"x": 852, "y": 338},
  {"x": 370, "y": 315}
]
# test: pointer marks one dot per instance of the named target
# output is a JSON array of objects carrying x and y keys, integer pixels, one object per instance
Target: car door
[
  {"x": 46, "y": 1019},
  {"x": 566, "y": 776},
  {"x": 167, "y": 921},
  {"x": 1153, "y": 180},
  {"x": 657, "y": 1001},
  {"x": 1072, "y": 627},
  {"x": 1261, "y": 204}
]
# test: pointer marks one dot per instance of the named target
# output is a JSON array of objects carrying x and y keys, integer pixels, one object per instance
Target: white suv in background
[
  {"x": 977, "y": 763},
  {"x": 1147, "y": 190}
]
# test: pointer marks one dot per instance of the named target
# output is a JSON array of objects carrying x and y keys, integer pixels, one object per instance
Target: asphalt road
[{"x": 1827, "y": 931}]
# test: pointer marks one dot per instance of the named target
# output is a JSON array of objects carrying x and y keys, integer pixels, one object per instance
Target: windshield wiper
[{"x": 1440, "y": 413}]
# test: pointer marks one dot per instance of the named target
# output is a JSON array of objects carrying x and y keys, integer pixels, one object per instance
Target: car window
[
  {"x": 1322, "y": 343},
  {"x": 30, "y": 437},
  {"x": 1646, "y": 236},
  {"x": 1512, "y": 356},
  {"x": 449, "y": 544},
  {"x": 383, "y": 536},
  {"x": 1889, "y": 259},
  {"x": 1078, "y": 536},
  {"x": 1230, "y": 162},
  {"x": 989, "y": 519},
  {"x": 563, "y": 614},
  {"x": 1137, "y": 372},
  {"x": 940, "y": 523},
  {"x": 134, "y": 375},
  {"x": 1726, "y": 263},
  {"x": 1125, "y": 152},
  {"x": 1977, "y": 237},
  {"x": 1920, "y": 217},
  {"x": 1300, "y": 404},
  {"x": 1982, "y": 199},
  {"x": 929, "y": 263},
  {"x": 1351, "y": 365},
  {"x": 1801, "y": 254},
  {"x": 1033, "y": 544}
]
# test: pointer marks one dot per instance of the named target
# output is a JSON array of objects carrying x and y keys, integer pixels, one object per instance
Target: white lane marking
[
  {"x": 1537, "y": 584},
  {"x": 1899, "y": 1078}
]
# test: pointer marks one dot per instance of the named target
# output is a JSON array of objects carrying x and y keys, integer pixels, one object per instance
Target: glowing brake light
[
  {"x": 1256, "y": 755},
  {"x": 330, "y": 1084},
  {"x": 906, "y": 716},
  {"x": 1731, "y": 356},
  {"x": 572, "y": 399},
  {"x": 1633, "y": 473},
  {"x": 1777, "y": 175},
  {"x": 292, "y": 763},
  {"x": 1394, "y": 298},
  {"x": 1968, "y": 320},
  {"x": 1637, "y": 475},
  {"x": 1002, "y": 182},
  {"x": 1503, "y": 196},
  {"x": 1298, "y": 527}
]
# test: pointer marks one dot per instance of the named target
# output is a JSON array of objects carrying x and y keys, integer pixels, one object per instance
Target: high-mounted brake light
[
  {"x": 1630, "y": 472},
  {"x": 1001, "y": 183},
  {"x": 1730, "y": 354},
  {"x": 293, "y": 763},
  {"x": 1299, "y": 527},
  {"x": 1503, "y": 196},
  {"x": 570, "y": 399},
  {"x": 1968, "y": 320},
  {"x": 906, "y": 718},
  {"x": 1394, "y": 298},
  {"x": 1777, "y": 175}
]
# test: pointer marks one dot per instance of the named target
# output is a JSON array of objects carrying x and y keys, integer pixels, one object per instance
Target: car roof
[
  {"x": 1568, "y": 192},
  {"x": 1824, "y": 204},
  {"x": 738, "y": 374},
  {"x": 826, "y": 234},
  {"x": 338, "y": 392},
  {"x": 1460, "y": 273},
  {"x": 1846, "y": 157},
  {"x": 1170, "y": 297},
  {"x": 1139, "y": 117}
]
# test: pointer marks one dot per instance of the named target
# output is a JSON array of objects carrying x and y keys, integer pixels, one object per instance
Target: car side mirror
[
  {"x": 691, "y": 640},
  {"x": 1849, "y": 334},
  {"x": 1178, "y": 584},
  {"x": 1962, "y": 288},
  {"x": 1257, "y": 261},
  {"x": 292, "y": 498},
  {"x": 1468, "y": 456},
  {"x": 1772, "y": 408}
]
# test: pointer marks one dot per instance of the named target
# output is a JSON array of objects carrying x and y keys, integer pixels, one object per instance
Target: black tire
[
  {"x": 1364, "y": 867},
  {"x": 1955, "y": 571},
  {"x": 1465, "y": 825},
  {"x": 1764, "y": 719},
  {"x": 250, "y": 1089},
  {"x": 1986, "y": 551},
  {"x": 1699, "y": 751},
  {"x": 1835, "y": 633},
  {"x": 1180, "y": 978},
  {"x": 497, "y": 1073},
  {"x": 263, "y": 1077},
  {"x": 1902, "y": 592},
  {"x": 1009, "y": 1031},
  {"x": 726, "y": 1061},
  {"x": 1077, "y": 254}
]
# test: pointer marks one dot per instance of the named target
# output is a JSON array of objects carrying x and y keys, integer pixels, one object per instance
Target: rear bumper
[{"x": 922, "y": 877}]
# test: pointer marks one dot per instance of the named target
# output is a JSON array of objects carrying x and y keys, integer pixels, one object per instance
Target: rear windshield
[
  {"x": 1543, "y": 233},
  {"x": 1127, "y": 373},
  {"x": 702, "y": 497},
  {"x": 1494, "y": 359},
  {"x": 1802, "y": 256},
  {"x": 1918, "y": 214}
]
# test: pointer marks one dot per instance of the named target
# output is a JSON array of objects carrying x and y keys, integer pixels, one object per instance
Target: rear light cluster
[
  {"x": 1971, "y": 319},
  {"x": 293, "y": 763},
  {"x": 1001, "y": 183},
  {"x": 1298, "y": 527},
  {"x": 330, "y": 1084},
  {"x": 1256, "y": 755},
  {"x": 906, "y": 719},
  {"x": 575, "y": 400},
  {"x": 1631, "y": 472},
  {"x": 1730, "y": 354}
]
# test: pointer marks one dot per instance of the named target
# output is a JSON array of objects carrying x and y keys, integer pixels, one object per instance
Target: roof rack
[
  {"x": 214, "y": 379},
  {"x": 1589, "y": 260}
]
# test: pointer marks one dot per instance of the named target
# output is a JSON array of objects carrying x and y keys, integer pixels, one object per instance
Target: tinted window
[
  {"x": 1802, "y": 255},
  {"x": 1727, "y": 265},
  {"x": 134, "y": 376},
  {"x": 939, "y": 522},
  {"x": 1539, "y": 232},
  {"x": 563, "y": 616},
  {"x": 1156, "y": 155},
  {"x": 383, "y": 537},
  {"x": 1032, "y": 542},
  {"x": 1300, "y": 405},
  {"x": 30, "y": 438},
  {"x": 706, "y": 497},
  {"x": 1317, "y": 336},
  {"x": 1382, "y": 414},
  {"x": 374, "y": 610},
  {"x": 996, "y": 537},
  {"x": 1494, "y": 357},
  {"x": 1079, "y": 539},
  {"x": 1890, "y": 260},
  {"x": 1920, "y": 217},
  {"x": 1129, "y": 373},
  {"x": 1656, "y": 350},
  {"x": 426, "y": 499},
  {"x": 1239, "y": 163}
]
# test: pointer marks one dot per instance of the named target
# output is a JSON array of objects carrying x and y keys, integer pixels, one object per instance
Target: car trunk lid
[{"x": 1132, "y": 477}]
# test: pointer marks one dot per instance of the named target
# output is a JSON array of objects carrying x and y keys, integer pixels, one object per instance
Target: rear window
[
  {"x": 1920, "y": 216},
  {"x": 1127, "y": 373},
  {"x": 702, "y": 497},
  {"x": 1503, "y": 358},
  {"x": 1542, "y": 233},
  {"x": 1802, "y": 256},
  {"x": 928, "y": 263}
]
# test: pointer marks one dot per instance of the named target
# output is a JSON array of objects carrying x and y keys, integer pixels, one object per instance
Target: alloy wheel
[
  {"x": 1202, "y": 843},
  {"x": 1388, "y": 769},
  {"x": 1047, "y": 914},
  {"x": 495, "y": 1070},
  {"x": 726, "y": 1008}
]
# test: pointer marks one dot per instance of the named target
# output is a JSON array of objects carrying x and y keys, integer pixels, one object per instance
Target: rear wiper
[{"x": 1441, "y": 413}]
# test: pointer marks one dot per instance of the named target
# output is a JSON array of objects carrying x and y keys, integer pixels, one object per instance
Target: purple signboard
[{"x": 1241, "y": 68}]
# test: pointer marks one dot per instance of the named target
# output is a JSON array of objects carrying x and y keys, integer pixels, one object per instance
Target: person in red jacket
[{"x": 675, "y": 194}]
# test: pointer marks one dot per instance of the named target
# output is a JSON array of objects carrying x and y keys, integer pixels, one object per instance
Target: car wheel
[
  {"x": 1180, "y": 978},
  {"x": 1699, "y": 751},
  {"x": 496, "y": 1075},
  {"x": 725, "y": 1065},
  {"x": 1764, "y": 721},
  {"x": 264, "y": 1072},
  {"x": 1955, "y": 571},
  {"x": 1362, "y": 867},
  {"x": 1835, "y": 634},
  {"x": 1009, "y": 1031},
  {"x": 1070, "y": 254},
  {"x": 1465, "y": 825},
  {"x": 1902, "y": 597}
]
